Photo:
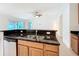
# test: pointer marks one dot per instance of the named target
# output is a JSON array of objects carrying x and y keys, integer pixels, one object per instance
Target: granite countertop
[
  {"x": 51, "y": 41},
  {"x": 75, "y": 32}
]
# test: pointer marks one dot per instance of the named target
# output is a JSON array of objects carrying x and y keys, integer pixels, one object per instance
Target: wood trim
[
  {"x": 16, "y": 47},
  {"x": 78, "y": 45},
  {"x": 50, "y": 53},
  {"x": 43, "y": 49}
]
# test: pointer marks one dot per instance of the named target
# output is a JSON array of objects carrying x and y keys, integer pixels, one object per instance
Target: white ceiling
[{"x": 22, "y": 9}]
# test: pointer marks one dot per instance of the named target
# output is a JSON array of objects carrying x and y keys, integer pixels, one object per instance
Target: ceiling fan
[{"x": 37, "y": 13}]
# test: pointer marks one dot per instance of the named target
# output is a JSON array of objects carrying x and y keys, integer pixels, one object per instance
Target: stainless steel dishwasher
[{"x": 9, "y": 47}]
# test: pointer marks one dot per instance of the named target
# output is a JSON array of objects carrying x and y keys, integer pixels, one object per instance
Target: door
[
  {"x": 35, "y": 52},
  {"x": 22, "y": 50}
]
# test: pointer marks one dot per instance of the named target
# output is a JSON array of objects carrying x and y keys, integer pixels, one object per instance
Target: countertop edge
[{"x": 35, "y": 40}]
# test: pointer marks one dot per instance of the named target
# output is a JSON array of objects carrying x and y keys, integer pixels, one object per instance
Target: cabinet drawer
[
  {"x": 49, "y": 53},
  {"x": 51, "y": 48},
  {"x": 31, "y": 44}
]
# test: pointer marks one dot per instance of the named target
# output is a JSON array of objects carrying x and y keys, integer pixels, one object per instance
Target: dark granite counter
[
  {"x": 75, "y": 32},
  {"x": 41, "y": 36},
  {"x": 52, "y": 42}
]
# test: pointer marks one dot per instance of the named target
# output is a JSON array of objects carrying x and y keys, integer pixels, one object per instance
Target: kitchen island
[{"x": 34, "y": 42}]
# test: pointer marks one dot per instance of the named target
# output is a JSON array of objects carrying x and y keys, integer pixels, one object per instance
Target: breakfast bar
[{"x": 34, "y": 42}]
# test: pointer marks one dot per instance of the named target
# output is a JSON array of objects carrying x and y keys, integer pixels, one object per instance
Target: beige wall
[{"x": 74, "y": 17}]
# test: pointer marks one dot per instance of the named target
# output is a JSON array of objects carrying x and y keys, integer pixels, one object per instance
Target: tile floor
[{"x": 64, "y": 51}]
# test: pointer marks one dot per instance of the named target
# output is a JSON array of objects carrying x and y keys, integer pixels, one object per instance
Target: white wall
[
  {"x": 47, "y": 21},
  {"x": 3, "y": 22},
  {"x": 66, "y": 24},
  {"x": 1, "y": 43},
  {"x": 74, "y": 16},
  {"x": 60, "y": 27}
]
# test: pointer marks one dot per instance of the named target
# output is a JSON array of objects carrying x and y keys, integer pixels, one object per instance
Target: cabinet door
[
  {"x": 35, "y": 52},
  {"x": 49, "y": 53},
  {"x": 74, "y": 44},
  {"x": 22, "y": 50}
]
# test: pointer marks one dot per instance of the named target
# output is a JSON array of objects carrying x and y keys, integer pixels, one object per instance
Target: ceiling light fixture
[{"x": 37, "y": 14}]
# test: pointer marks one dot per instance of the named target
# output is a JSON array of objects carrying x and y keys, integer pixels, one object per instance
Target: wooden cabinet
[
  {"x": 29, "y": 48},
  {"x": 33, "y": 49},
  {"x": 51, "y": 50},
  {"x": 74, "y": 43},
  {"x": 35, "y": 52},
  {"x": 22, "y": 50}
]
